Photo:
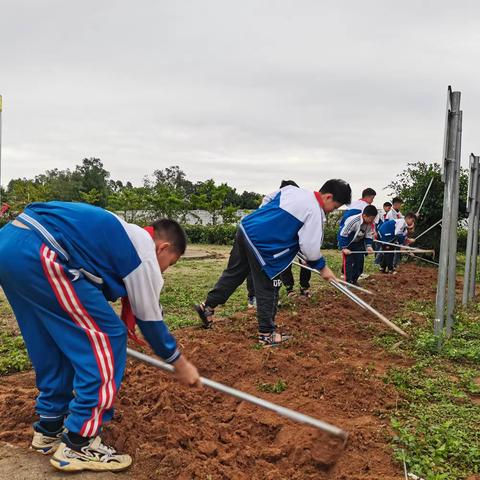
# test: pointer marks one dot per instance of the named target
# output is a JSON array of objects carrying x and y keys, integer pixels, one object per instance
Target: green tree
[
  {"x": 93, "y": 176},
  {"x": 411, "y": 186},
  {"x": 131, "y": 202}
]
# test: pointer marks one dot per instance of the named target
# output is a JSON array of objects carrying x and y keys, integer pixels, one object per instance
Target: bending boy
[
  {"x": 267, "y": 242},
  {"x": 60, "y": 265},
  {"x": 356, "y": 235},
  {"x": 395, "y": 232}
]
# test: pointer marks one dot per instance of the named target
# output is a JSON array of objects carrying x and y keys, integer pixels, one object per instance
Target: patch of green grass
[
  {"x": 437, "y": 423},
  {"x": 13, "y": 355},
  {"x": 278, "y": 387}
]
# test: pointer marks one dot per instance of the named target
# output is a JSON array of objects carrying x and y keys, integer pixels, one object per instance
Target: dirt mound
[{"x": 330, "y": 370}]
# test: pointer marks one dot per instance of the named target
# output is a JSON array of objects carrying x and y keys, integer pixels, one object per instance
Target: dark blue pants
[
  {"x": 75, "y": 340},
  {"x": 354, "y": 262}
]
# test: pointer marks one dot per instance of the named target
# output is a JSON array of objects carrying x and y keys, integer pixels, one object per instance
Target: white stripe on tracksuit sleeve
[{"x": 144, "y": 285}]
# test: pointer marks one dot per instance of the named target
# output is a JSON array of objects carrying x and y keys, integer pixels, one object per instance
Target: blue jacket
[
  {"x": 393, "y": 231},
  {"x": 116, "y": 256},
  {"x": 290, "y": 220},
  {"x": 355, "y": 230}
]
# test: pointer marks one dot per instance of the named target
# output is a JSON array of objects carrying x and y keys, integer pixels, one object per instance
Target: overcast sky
[{"x": 245, "y": 92}]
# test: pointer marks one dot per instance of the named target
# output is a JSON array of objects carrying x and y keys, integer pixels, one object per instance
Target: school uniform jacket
[
  {"x": 355, "y": 230},
  {"x": 116, "y": 256},
  {"x": 290, "y": 220},
  {"x": 354, "y": 208},
  {"x": 393, "y": 231},
  {"x": 394, "y": 214}
]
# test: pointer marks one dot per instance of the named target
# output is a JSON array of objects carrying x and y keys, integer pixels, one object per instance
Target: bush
[{"x": 213, "y": 234}]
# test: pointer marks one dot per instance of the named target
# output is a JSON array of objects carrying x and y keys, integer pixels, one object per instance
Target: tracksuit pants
[
  {"x": 354, "y": 262},
  {"x": 76, "y": 342},
  {"x": 242, "y": 261}
]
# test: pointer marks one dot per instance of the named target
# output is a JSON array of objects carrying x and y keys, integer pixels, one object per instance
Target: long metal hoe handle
[
  {"x": 359, "y": 301},
  {"x": 283, "y": 411}
]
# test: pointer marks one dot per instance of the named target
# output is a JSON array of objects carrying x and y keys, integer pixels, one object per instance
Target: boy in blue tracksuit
[
  {"x": 266, "y": 243},
  {"x": 60, "y": 265},
  {"x": 356, "y": 235},
  {"x": 395, "y": 232}
]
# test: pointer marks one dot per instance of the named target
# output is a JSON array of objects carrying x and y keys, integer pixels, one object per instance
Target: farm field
[{"x": 395, "y": 398}]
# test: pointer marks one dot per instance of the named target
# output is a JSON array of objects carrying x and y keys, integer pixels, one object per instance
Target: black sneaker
[{"x": 205, "y": 313}]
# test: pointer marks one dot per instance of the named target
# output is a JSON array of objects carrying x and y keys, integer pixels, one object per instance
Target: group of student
[
  {"x": 365, "y": 230},
  {"x": 62, "y": 263}
]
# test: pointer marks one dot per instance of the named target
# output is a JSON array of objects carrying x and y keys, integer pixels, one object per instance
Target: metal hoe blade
[{"x": 283, "y": 411}]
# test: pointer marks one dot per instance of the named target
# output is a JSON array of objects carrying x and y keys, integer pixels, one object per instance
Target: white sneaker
[
  {"x": 46, "y": 444},
  {"x": 93, "y": 456}
]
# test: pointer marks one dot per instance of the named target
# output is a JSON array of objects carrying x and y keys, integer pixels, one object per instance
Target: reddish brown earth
[{"x": 333, "y": 371}]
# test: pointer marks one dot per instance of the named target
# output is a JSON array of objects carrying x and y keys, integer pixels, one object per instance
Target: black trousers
[
  {"x": 354, "y": 262},
  {"x": 250, "y": 287},
  {"x": 242, "y": 261},
  {"x": 388, "y": 258},
  {"x": 287, "y": 278}
]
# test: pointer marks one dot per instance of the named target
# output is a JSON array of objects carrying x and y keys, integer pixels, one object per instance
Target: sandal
[
  {"x": 205, "y": 313},
  {"x": 272, "y": 339}
]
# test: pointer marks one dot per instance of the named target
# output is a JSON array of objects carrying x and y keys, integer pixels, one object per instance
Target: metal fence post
[
  {"x": 451, "y": 135},
  {"x": 452, "y": 244},
  {"x": 476, "y": 221},
  {"x": 472, "y": 210}
]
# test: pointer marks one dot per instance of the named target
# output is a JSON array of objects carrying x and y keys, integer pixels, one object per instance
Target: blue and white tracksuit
[
  {"x": 391, "y": 231},
  {"x": 356, "y": 235},
  {"x": 354, "y": 208},
  {"x": 290, "y": 220},
  {"x": 267, "y": 241},
  {"x": 58, "y": 276}
]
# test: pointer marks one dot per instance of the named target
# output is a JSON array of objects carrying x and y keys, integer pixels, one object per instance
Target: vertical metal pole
[
  {"x": 449, "y": 164},
  {"x": 452, "y": 254},
  {"x": 472, "y": 208},
  {"x": 473, "y": 268}
]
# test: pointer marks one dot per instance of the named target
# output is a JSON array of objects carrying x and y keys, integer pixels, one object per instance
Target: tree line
[{"x": 166, "y": 193}]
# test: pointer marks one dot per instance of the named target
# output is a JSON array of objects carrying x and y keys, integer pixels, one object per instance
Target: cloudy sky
[{"x": 247, "y": 92}]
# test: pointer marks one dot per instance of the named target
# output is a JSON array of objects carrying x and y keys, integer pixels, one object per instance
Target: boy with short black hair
[
  {"x": 394, "y": 212},
  {"x": 368, "y": 196},
  {"x": 356, "y": 235},
  {"x": 61, "y": 264},
  {"x": 395, "y": 232},
  {"x": 267, "y": 242}
]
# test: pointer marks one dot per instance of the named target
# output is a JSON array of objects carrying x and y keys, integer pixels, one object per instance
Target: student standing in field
[
  {"x": 394, "y": 213},
  {"x": 381, "y": 217},
  {"x": 395, "y": 231},
  {"x": 368, "y": 196},
  {"x": 267, "y": 242},
  {"x": 356, "y": 235},
  {"x": 61, "y": 263}
]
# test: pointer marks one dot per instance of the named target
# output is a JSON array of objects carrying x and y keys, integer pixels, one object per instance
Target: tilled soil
[{"x": 332, "y": 370}]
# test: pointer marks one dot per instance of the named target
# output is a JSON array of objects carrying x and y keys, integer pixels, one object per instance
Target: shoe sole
[
  {"x": 44, "y": 450},
  {"x": 73, "y": 465}
]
